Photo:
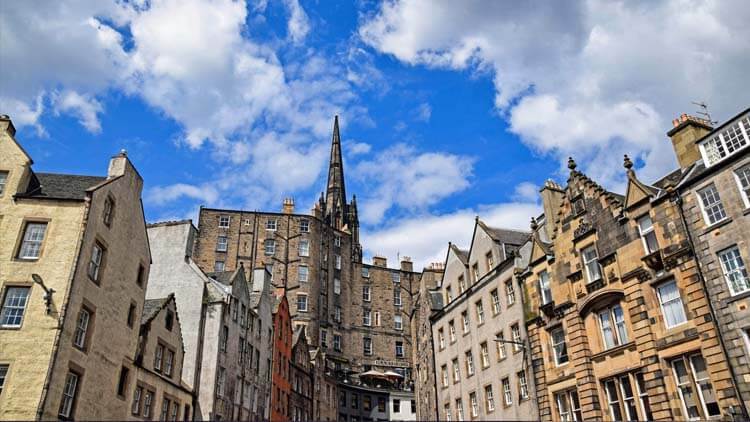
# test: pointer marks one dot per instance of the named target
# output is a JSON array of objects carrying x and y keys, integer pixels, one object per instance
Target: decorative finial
[
  {"x": 571, "y": 163},
  {"x": 124, "y": 152},
  {"x": 627, "y": 163},
  {"x": 534, "y": 225}
]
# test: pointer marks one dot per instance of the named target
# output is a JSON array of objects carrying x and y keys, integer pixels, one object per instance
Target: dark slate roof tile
[{"x": 60, "y": 186}]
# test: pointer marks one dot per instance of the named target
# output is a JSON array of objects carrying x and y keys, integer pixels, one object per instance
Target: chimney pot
[{"x": 686, "y": 131}]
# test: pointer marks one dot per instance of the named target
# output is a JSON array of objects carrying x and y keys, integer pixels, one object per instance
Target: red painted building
[{"x": 281, "y": 387}]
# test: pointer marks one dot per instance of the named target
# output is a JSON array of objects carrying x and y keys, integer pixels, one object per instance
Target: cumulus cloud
[
  {"x": 298, "y": 25},
  {"x": 160, "y": 195},
  {"x": 425, "y": 238},
  {"x": 590, "y": 78},
  {"x": 85, "y": 107},
  {"x": 410, "y": 179}
]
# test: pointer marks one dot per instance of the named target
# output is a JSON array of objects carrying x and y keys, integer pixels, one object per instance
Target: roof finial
[
  {"x": 534, "y": 224},
  {"x": 571, "y": 163},
  {"x": 627, "y": 163}
]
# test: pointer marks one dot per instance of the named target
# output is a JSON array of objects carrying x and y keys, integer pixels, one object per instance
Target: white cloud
[
  {"x": 298, "y": 24},
  {"x": 423, "y": 112},
  {"x": 425, "y": 238},
  {"x": 86, "y": 108},
  {"x": 526, "y": 192},
  {"x": 402, "y": 176},
  {"x": 354, "y": 148},
  {"x": 160, "y": 195},
  {"x": 596, "y": 78}
]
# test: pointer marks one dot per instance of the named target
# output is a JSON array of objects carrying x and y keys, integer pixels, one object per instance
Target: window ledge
[
  {"x": 738, "y": 296},
  {"x": 613, "y": 350},
  {"x": 716, "y": 225}
]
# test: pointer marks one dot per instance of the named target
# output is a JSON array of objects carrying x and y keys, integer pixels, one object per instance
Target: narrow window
[
  {"x": 397, "y": 296},
  {"x": 489, "y": 399},
  {"x": 337, "y": 262},
  {"x": 743, "y": 180},
  {"x": 474, "y": 404},
  {"x": 545, "y": 292},
  {"x": 523, "y": 386},
  {"x": 337, "y": 241},
  {"x": 366, "y": 318},
  {"x": 3, "y": 181},
  {"x": 610, "y": 387},
  {"x": 469, "y": 363},
  {"x": 591, "y": 262},
  {"x": 135, "y": 408},
  {"x": 148, "y": 400},
  {"x": 304, "y": 247},
  {"x": 465, "y": 318},
  {"x": 168, "y": 362},
  {"x": 365, "y": 272},
  {"x": 82, "y": 326},
  {"x": 302, "y": 273},
  {"x": 484, "y": 354},
  {"x": 95, "y": 263},
  {"x": 14, "y": 305},
  {"x": 169, "y": 320},
  {"x": 643, "y": 396},
  {"x": 448, "y": 295},
  {"x": 648, "y": 235},
  {"x": 70, "y": 391},
  {"x": 474, "y": 273},
  {"x": 515, "y": 331},
  {"x": 337, "y": 342},
  {"x": 336, "y": 286},
  {"x": 507, "y": 394},
  {"x": 612, "y": 323},
  {"x": 122, "y": 384},
  {"x": 459, "y": 410},
  {"x": 399, "y": 349},
  {"x": 671, "y": 304},
  {"x": 398, "y": 323},
  {"x": 495, "y": 302},
  {"x": 480, "y": 312},
  {"x": 109, "y": 205},
  {"x": 221, "y": 244},
  {"x": 33, "y": 236},
  {"x": 559, "y": 348},
  {"x": 456, "y": 371},
  {"x": 165, "y": 403},
  {"x": 461, "y": 284},
  {"x": 3, "y": 375},
  {"x": 158, "y": 357},
  {"x": 366, "y": 293},
  {"x": 302, "y": 303},
  {"x": 269, "y": 247},
  {"x": 219, "y": 266},
  {"x": 444, "y": 373},
  {"x": 501, "y": 353},
  {"x": 713, "y": 209},
  {"x": 509, "y": 292},
  {"x": 141, "y": 277},
  {"x": 224, "y": 338},
  {"x": 367, "y": 346},
  {"x": 452, "y": 330},
  {"x": 734, "y": 270},
  {"x": 490, "y": 261}
]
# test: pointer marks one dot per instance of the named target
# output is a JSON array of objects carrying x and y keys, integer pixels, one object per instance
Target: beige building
[
  {"x": 478, "y": 377},
  {"x": 74, "y": 262},
  {"x": 158, "y": 391}
]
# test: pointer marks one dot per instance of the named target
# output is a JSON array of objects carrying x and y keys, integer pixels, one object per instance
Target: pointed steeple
[{"x": 335, "y": 191}]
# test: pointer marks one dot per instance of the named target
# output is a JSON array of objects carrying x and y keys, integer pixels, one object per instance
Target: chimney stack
[
  {"x": 288, "y": 206},
  {"x": 117, "y": 164},
  {"x": 6, "y": 125},
  {"x": 406, "y": 264},
  {"x": 552, "y": 195},
  {"x": 379, "y": 261},
  {"x": 686, "y": 131}
]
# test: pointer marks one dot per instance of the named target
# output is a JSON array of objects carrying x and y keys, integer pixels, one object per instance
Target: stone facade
[
  {"x": 619, "y": 323},
  {"x": 85, "y": 238},
  {"x": 477, "y": 377},
  {"x": 281, "y": 388},
  {"x": 325, "y": 393},
  {"x": 427, "y": 301},
  {"x": 156, "y": 391},
  {"x": 301, "y": 376},
  {"x": 722, "y": 243}
]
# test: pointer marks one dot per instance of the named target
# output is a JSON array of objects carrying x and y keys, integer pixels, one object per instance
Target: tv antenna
[{"x": 704, "y": 111}]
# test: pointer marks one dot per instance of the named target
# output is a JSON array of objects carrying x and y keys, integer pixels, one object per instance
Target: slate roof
[
  {"x": 60, "y": 186},
  {"x": 512, "y": 237},
  {"x": 151, "y": 307},
  {"x": 670, "y": 179},
  {"x": 436, "y": 300},
  {"x": 223, "y": 277},
  {"x": 462, "y": 254}
]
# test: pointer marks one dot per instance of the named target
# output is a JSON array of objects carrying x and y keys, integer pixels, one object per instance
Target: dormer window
[
  {"x": 727, "y": 142},
  {"x": 490, "y": 261}
]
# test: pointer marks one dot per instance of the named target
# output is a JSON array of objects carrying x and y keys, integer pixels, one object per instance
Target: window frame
[
  {"x": 510, "y": 292},
  {"x": 366, "y": 294},
  {"x": 109, "y": 209},
  {"x": 644, "y": 234},
  {"x": 545, "y": 289},
  {"x": 740, "y": 268},
  {"x": 744, "y": 191},
  {"x": 557, "y": 359},
  {"x": 96, "y": 266},
  {"x": 85, "y": 335},
  {"x": 496, "y": 305},
  {"x": 523, "y": 385},
  {"x": 489, "y": 399},
  {"x": 3, "y": 306},
  {"x": 661, "y": 303},
  {"x": 717, "y": 204},
  {"x": 587, "y": 262},
  {"x": 222, "y": 246},
  {"x": 222, "y": 224},
  {"x": 398, "y": 322},
  {"x": 479, "y": 308},
  {"x": 507, "y": 392},
  {"x": 68, "y": 414},
  {"x": 305, "y": 301},
  {"x": 614, "y": 326},
  {"x": 271, "y": 225},
  {"x": 4, "y": 176},
  {"x": 23, "y": 241}
]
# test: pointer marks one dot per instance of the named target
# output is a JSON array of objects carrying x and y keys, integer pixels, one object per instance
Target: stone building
[
  {"x": 74, "y": 262},
  {"x": 157, "y": 391},
  {"x": 358, "y": 314},
  {"x": 361, "y": 403},
  {"x": 222, "y": 339},
  {"x": 619, "y": 324},
  {"x": 427, "y": 300},
  {"x": 281, "y": 386},
  {"x": 325, "y": 392},
  {"x": 302, "y": 379},
  {"x": 477, "y": 376},
  {"x": 715, "y": 205}
]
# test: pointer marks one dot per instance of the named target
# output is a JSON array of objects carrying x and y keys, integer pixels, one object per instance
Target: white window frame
[
  {"x": 716, "y": 204},
  {"x": 647, "y": 233},
  {"x": 33, "y": 239},
  {"x": 82, "y": 327},
  {"x": 337, "y": 241},
  {"x": 484, "y": 354},
  {"x": 515, "y": 332},
  {"x": 742, "y": 177},
  {"x": 489, "y": 398},
  {"x": 474, "y": 404},
  {"x": 70, "y": 392},
  {"x": 304, "y": 226},
  {"x": 366, "y": 294},
  {"x": 336, "y": 286},
  {"x": 523, "y": 385},
  {"x": 397, "y": 296},
  {"x": 469, "y": 359},
  {"x": 303, "y": 249},
  {"x": 510, "y": 293},
  {"x": 496, "y": 305},
  {"x": 617, "y": 328},
  {"x": 501, "y": 352},
  {"x": 271, "y": 224},
  {"x": 545, "y": 290},
  {"x": 461, "y": 284},
  {"x": 269, "y": 247},
  {"x": 444, "y": 374},
  {"x": 399, "y": 349},
  {"x": 456, "y": 370},
  {"x": 507, "y": 392},
  {"x": 398, "y": 322},
  {"x": 452, "y": 330},
  {"x": 441, "y": 339},
  {"x": 466, "y": 323},
  {"x": 662, "y": 303},
  {"x": 221, "y": 243},
  {"x": 3, "y": 181},
  {"x": 741, "y": 131},
  {"x": 13, "y": 304},
  {"x": 367, "y": 346},
  {"x": 739, "y": 270},
  {"x": 557, "y": 359},
  {"x": 303, "y": 273},
  {"x": 480, "y": 311},
  {"x": 367, "y": 318},
  {"x": 303, "y": 297},
  {"x": 589, "y": 261},
  {"x": 224, "y": 221}
]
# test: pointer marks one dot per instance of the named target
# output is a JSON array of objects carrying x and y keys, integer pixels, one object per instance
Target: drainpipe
[{"x": 678, "y": 200}]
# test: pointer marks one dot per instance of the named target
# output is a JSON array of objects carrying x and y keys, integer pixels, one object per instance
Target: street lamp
[{"x": 47, "y": 291}]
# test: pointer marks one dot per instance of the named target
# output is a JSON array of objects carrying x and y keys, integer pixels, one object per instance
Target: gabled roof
[
  {"x": 299, "y": 334},
  {"x": 59, "y": 186},
  {"x": 223, "y": 277},
  {"x": 509, "y": 236},
  {"x": 462, "y": 254},
  {"x": 151, "y": 308}
]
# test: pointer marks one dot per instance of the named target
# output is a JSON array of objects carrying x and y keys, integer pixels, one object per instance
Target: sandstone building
[
  {"x": 715, "y": 205},
  {"x": 477, "y": 376},
  {"x": 358, "y": 314},
  {"x": 281, "y": 386},
  {"x": 302, "y": 378},
  {"x": 74, "y": 263},
  {"x": 620, "y": 326}
]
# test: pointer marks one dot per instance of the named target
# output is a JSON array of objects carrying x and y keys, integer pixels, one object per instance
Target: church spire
[{"x": 335, "y": 192}]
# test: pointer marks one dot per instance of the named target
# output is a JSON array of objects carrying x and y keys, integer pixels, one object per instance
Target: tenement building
[
  {"x": 479, "y": 335},
  {"x": 301, "y": 375},
  {"x": 620, "y": 326},
  {"x": 358, "y": 314},
  {"x": 74, "y": 262},
  {"x": 715, "y": 205}
]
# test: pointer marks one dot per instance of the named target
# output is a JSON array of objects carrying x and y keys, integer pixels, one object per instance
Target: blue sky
[{"x": 448, "y": 109}]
